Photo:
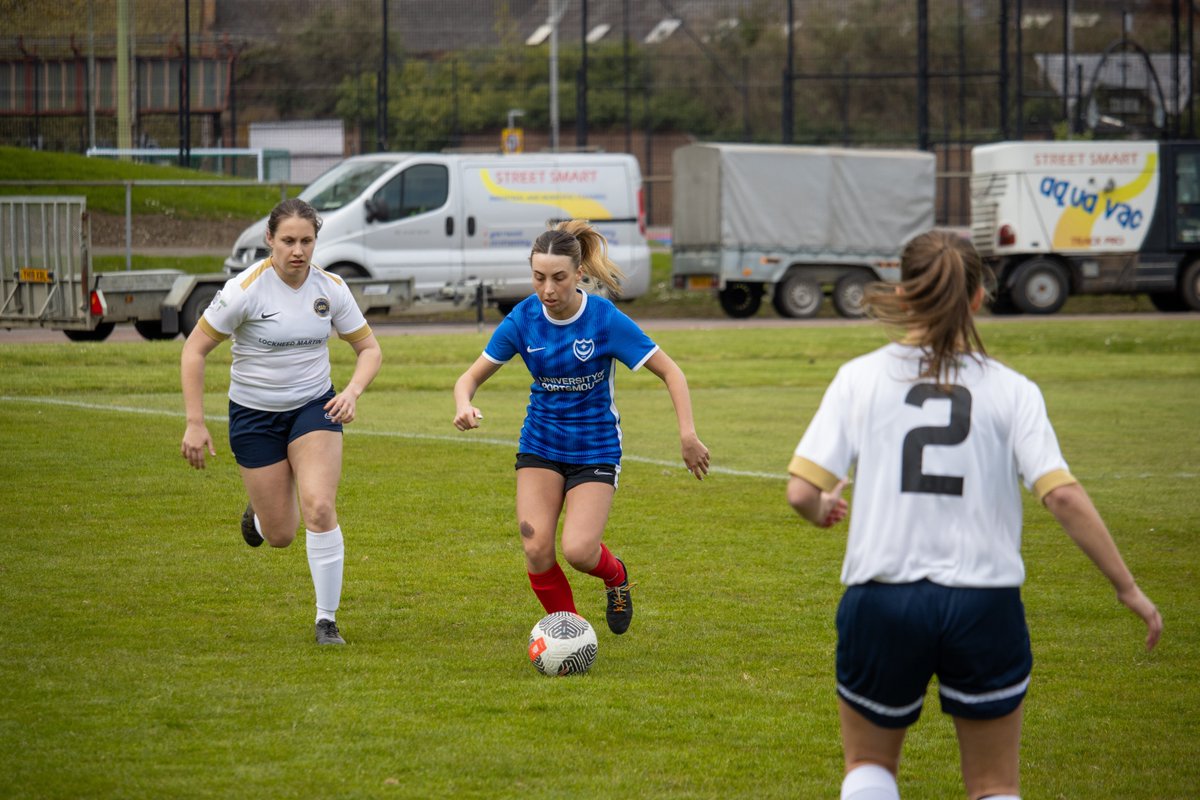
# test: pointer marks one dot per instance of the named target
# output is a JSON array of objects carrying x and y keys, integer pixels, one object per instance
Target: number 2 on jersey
[{"x": 912, "y": 476}]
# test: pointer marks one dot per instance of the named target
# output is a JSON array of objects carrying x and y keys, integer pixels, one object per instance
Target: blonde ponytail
[{"x": 586, "y": 247}]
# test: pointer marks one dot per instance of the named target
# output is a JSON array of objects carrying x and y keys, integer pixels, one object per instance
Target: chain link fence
[{"x": 617, "y": 75}]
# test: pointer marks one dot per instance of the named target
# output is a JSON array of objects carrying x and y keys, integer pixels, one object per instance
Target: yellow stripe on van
[
  {"x": 573, "y": 206},
  {"x": 1075, "y": 224}
]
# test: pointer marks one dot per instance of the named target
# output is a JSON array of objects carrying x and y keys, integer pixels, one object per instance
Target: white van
[{"x": 446, "y": 219}]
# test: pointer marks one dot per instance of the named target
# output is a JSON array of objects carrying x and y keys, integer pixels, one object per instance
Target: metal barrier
[{"x": 45, "y": 243}]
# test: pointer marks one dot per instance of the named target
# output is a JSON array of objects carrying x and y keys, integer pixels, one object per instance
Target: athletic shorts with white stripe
[{"x": 892, "y": 638}]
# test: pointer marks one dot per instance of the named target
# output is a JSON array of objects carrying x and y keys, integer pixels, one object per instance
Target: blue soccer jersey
[{"x": 572, "y": 416}]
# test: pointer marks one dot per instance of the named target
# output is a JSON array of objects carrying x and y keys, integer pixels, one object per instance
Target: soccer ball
[{"x": 562, "y": 643}]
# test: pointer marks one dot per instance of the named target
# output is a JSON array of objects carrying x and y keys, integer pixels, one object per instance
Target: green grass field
[{"x": 151, "y": 654}]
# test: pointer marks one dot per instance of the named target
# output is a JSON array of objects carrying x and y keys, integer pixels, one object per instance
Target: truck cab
[{"x": 1053, "y": 219}]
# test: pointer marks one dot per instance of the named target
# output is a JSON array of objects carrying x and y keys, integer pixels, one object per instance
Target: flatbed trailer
[{"x": 47, "y": 281}]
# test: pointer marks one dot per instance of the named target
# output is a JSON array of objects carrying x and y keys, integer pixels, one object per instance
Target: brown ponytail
[
  {"x": 939, "y": 275},
  {"x": 586, "y": 247}
]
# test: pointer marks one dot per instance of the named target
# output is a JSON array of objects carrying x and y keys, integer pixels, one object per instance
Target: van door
[
  {"x": 413, "y": 228},
  {"x": 505, "y": 208}
]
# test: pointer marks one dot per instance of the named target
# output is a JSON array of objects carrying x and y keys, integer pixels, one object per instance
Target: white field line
[{"x": 462, "y": 438}]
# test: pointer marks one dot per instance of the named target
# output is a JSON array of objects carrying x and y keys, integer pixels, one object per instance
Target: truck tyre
[
  {"x": 152, "y": 329},
  {"x": 1189, "y": 286},
  {"x": 347, "y": 271},
  {"x": 848, "y": 295},
  {"x": 193, "y": 307},
  {"x": 797, "y": 296},
  {"x": 1040, "y": 286},
  {"x": 96, "y": 334},
  {"x": 741, "y": 300},
  {"x": 1168, "y": 301}
]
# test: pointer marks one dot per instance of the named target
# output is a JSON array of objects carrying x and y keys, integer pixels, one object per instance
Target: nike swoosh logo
[
  {"x": 529, "y": 349},
  {"x": 598, "y": 472},
  {"x": 268, "y": 316}
]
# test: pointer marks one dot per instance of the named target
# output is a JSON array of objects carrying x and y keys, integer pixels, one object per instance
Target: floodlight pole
[
  {"x": 382, "y": 99},
  {"x": 557, "y": 9}
]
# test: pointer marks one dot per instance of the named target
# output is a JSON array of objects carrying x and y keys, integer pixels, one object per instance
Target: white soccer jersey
[
  {"x": 280, "y": 334},
  {"x": 936, "y": 492}
]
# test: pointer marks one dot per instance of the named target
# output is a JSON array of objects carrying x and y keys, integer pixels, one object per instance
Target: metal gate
[{"x": 45, "y": 262}]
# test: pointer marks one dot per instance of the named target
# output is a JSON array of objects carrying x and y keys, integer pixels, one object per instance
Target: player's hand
[
  {"x": 1137, "y": 602},
  {"x": 695, "y": 456},
  {"x": 341, "y": 408},
  {"x": 195, "y": 442},
  {"x": 833, "y": 506},
  {"x": 468, "y": 417}
]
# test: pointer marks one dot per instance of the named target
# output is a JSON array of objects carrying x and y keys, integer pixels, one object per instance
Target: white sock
[
  {"x": 326, "y": 555},
  {"x": 869, "y": 782}
]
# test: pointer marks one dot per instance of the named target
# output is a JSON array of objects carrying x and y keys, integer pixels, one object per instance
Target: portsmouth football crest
[
  {"x": 321, "y": 306},
  {"x": 583, "y": 349}
]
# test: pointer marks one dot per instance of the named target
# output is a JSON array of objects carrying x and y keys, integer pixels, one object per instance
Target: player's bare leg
[
  {"x": 990, "y": 751},
  {"x": 539, "y": 502},
  {"x": 272, "y": 493},
  {"x": 867, "y": 745}
]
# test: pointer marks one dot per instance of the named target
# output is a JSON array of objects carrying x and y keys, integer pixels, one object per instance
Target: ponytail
[
  {"x": 586, "y": 247},
  {"x": 939, "y": 275}
]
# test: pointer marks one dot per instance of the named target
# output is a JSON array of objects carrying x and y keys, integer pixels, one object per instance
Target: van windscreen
[{"x": 343, "y": 183}]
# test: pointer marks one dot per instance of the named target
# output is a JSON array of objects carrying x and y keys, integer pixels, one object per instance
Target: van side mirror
[{"x": 372, "y": 210}]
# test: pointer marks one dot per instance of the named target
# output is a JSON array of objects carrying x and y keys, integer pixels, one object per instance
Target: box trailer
[
  {"x": 798, "y": 221},
  {"x": 1055, "y": 219}
]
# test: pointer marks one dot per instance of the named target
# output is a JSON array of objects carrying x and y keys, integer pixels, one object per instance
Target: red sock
[
  {"x": 609, "y": 569},
  {"x": 553, "y": 590}
]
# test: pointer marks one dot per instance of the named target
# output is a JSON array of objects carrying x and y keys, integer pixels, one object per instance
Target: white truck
[
  {"x": 449, "y": 218},
  {"x": 797, "y": 220},
  {"x": 1058, "y": 218}
]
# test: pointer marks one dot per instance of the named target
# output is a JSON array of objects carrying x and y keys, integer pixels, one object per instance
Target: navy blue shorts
[
  {"x": 573, "y": 474},
  {"x": 892, "y": 638},
  {"x": 261, "y": 438}
]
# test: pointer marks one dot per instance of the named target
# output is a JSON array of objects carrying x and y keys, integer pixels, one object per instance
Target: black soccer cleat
[
  {"x": 249, "y": 532},
  {"x": 620, "y": 605},
  {"x": 328, "y": 633}
]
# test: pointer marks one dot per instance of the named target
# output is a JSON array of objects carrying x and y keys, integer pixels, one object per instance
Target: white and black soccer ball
[{"x": 562, "y": 643}]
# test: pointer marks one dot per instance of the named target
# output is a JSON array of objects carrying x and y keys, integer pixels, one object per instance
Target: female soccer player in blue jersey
[
  {"x": 285, "y": 418},
  {"x": 939, "y": 435},
  {"x": 570, "y": 447}
]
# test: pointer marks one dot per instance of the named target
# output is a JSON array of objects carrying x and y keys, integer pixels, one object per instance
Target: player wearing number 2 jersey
[
  {"x": 939, "y": 437},
  {"x": 570, "y": 449}
]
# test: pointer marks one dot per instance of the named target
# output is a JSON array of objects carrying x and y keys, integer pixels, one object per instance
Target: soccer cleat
[
  {"x": 327, "y": 632},
  {"x": 249, "y": 532},
  {"x": 620, "y": 605}
]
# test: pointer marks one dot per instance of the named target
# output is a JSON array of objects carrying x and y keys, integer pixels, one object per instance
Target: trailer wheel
[
  {"x": 347, "y": 271},
  {"x": 1040, "y": 286},
  {"x": 741, "y": 300},
  {"x": 152, "y": 329},
  {"x": 1189, "y": 286},
  {"x": 1168, "y": 301},
  {"x": 797, "y": 296},
  {"x": 96, "y": 334},
  {"x": 193, "y": 307},
  {"x": 848, "y": 295}
]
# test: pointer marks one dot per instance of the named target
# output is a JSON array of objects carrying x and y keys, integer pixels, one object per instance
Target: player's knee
[
  {"x": 320, "y": 513},
  {"x": 581, "y": 557},
  {"x": 278, "y": 536}
]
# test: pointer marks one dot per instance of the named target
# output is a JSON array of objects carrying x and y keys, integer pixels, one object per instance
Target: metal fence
[{"x": 618, "y": 75}]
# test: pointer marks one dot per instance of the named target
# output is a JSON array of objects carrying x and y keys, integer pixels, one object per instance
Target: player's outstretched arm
[
  {"x": 467, "y": 416},
  {"x": 695, "y": 454},
  {"x": 822, "y": 509},
  {"x": 1074, "y": 510}
]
